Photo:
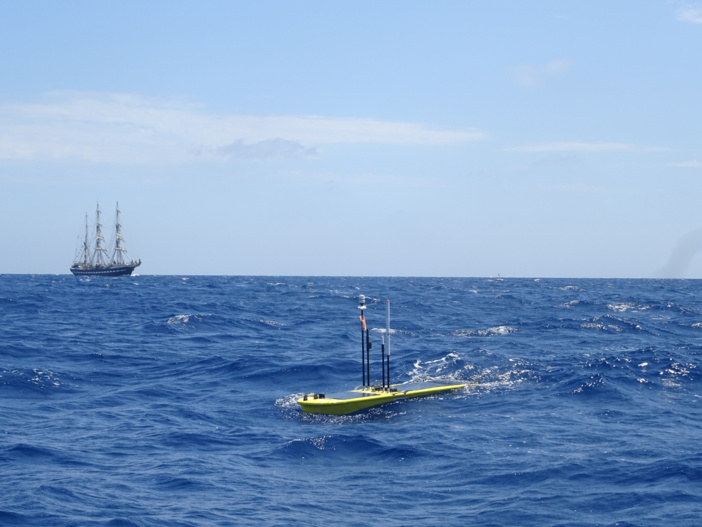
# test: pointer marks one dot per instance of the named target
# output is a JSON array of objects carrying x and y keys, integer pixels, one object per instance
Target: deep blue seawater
[{"x": 170, "y": 401}]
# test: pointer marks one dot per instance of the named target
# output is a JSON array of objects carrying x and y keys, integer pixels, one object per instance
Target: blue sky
[{"x": 393, "y": 138}]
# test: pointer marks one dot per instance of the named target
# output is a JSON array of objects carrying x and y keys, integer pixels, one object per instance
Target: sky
[{"x": 523, "y": 138}]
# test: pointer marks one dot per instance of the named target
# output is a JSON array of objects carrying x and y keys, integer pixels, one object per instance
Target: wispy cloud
[
  {"x": 575, "y": 188},
  {"x": 690, "y": 14},
  {"x": 372, "y": 179},
  {"x": 585, "y": 147},
  {"x": 133, "y": 129},
  {"x": 531, "y": 76},
  {"x": 687, "y": 164},
  {"x": 269, "y": 149}
]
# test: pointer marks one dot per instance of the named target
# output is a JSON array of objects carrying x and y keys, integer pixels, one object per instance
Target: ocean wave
[
  {"x": 184, "y": 320},
  {"x": 627, "y": 306},
  {"x": 31, "y": 378},
  {"x": 174, "y": 402},
  {"x": 569, "y": 288},
  {"x": 489, "y": 332},
  {"x": 348, "y": 446},
  {"x": 612, "y": 323}
]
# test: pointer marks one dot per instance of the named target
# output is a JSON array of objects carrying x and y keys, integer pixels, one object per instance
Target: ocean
[{"x": 171, "y": 401}]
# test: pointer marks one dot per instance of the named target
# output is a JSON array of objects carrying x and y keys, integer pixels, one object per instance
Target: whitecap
[
  {"x": 603, "y": 327},
  {"x": 179, "y": 319},
  {"x": 626, "y": 306},
  {"x": 289, "y": 402},
  {"x": 273, "y": 323},
  {"x": 498, "y": 330},
  {"x": 620, "y": 306},
  {"x": 183, "y": 320},
  {"x": 445, "y": 369}
]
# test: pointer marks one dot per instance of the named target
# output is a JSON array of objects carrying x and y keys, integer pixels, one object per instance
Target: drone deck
[{"x": 360, "y": 399}]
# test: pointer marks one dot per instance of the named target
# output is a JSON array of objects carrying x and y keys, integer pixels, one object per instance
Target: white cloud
[
  {"x": 687, "y": 164},
  {"x": 533, "y": 76},
  {"x": 134, "y": 129},
  {"x": 585, "y": 147},
  {"x": 690, "y": 14}
]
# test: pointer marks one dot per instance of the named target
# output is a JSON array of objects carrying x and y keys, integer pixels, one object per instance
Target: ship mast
[
  {"x": 118, "y": 254},
  {"x": 86, "y": 245},
  {"x": 100, "y": 251}
]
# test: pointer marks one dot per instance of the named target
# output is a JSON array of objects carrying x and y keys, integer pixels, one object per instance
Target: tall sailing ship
[{"x": 93, "y": 258}]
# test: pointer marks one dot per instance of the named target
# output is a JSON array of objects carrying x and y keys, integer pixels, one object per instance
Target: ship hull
[{"x": 114, "y": 270}]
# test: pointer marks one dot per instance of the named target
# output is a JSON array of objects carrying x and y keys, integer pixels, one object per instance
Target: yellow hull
[{"x": 356, "y": 400}]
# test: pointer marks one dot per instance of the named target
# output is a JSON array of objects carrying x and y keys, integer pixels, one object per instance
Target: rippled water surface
[{"x": 170, "y": 401}]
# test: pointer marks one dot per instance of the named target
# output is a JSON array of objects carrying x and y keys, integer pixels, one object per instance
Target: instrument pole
[
  {"x": 362, "y": 306},
  {"x": 387, "y": 331},
  {"x": 382, "y": 358},
  {"x": 368, "y": 347}
]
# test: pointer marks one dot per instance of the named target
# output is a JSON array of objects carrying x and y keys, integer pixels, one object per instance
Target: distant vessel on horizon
[{"x": 93, "y": 259}]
